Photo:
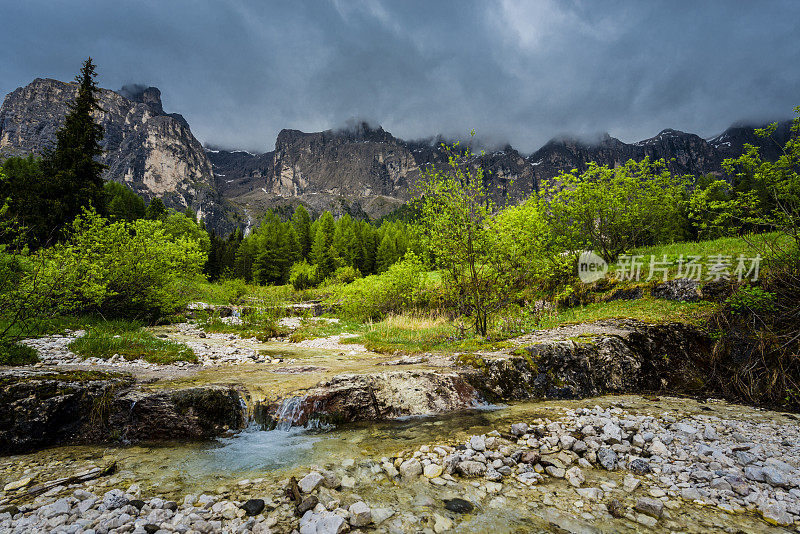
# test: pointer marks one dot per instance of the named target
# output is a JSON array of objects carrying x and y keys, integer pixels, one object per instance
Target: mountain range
[{"x": 361, "y": 170}]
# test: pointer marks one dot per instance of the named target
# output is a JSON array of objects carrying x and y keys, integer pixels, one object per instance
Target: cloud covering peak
[{"x": 516, "y": 71}]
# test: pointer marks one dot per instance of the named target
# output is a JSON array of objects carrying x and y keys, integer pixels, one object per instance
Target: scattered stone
[
  {"x": 17, "y": 484},
  {"x": 555, "y": 472},
  {"x": 360, "y": 514},
  {"x": 459, "y": 506},
  {"x": 471, "y": 468},
  {"x": 519, "y": 429},
  {"x": 651, "y": 507},
  {"x": 773, "y": 477},
  {"x": 776, "y": 514},
  {"x": 630, "y": 483},
  {"x": 530, "y": 457},
  {"x": 607, "y": 458},
  {"x": 639, "y": 466},
  {"x": 114, "y": 499},
  {"x": 432, "y": 470},
  {"x": 379, "y": 515},
  {"x": 308, "y": 503},
  {"x": 575, "y": 476},
  {"x": 442, "y": 523},
  {"x": 309, "y": 483},
  {"x": 410, "y": 468},
  {"x": 616, "y": 508}
]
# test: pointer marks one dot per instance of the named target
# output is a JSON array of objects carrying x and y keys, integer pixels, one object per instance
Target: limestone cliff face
[
  {"x": 363, "y": 171},
  {"x": 363, "y": 162},
  {"x": 366, "y": 171},
  {"x": 685, "y": 153},
  {"x": 152, "y": 152}
]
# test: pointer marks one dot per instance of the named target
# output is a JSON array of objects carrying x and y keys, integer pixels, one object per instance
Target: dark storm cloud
[{"x": 516, "y": 71}]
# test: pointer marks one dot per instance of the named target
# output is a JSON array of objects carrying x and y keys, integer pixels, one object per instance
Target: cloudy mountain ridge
[{"x": 362, "y": 169}]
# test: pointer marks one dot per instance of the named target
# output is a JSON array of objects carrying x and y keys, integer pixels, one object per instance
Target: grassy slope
[
  {"x": 725, "y": 246},
  {"x": 410, "y": 334},
  {"x": 126, "y": 338}
]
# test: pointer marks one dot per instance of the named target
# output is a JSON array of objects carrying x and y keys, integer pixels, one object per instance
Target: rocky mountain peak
[
  {"x": 152, "y": 152},
  {"x": 142, "y": 94}
]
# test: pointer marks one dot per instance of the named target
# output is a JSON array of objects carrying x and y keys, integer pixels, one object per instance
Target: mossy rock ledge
[
  {"x": 44, "y": 408},
  {"x": 350, "y": 397},
  {"x": 629, "y": 357}
]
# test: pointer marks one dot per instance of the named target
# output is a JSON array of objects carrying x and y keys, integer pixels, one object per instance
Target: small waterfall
[
  {"x": 289, "y": 412},
  {"x": 247, "y": 416}
]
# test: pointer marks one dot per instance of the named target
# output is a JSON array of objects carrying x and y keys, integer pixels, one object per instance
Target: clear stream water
[
  {"x": 177, "y": 469},
  {"x": 266, "y": 457}
]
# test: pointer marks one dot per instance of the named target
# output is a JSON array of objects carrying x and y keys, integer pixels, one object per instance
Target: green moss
[
  {"x": 531, "y": 363},
  {"x": 62, "y": 376},
  {"x": 646, "y": 309},
  {"x": 583, "y": 338},
  {"x": 471, "y": 360}
]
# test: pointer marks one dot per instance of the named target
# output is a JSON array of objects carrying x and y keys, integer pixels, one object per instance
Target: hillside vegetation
[{"x": 456, "y": 272}]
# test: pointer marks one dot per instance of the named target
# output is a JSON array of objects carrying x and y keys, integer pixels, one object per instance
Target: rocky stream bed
[{"x": 276, "y": 437}]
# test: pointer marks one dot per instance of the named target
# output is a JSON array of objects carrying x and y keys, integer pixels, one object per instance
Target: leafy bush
[
  {"x": 613, "y": 210},
  {"x": 751, "y": 299},
  {"x": 303, "y": 276},
  {"x": 17, "y": 354},
  {"x": 710, "y": 211},
  {"x": 179, "y": 226},
  {"x": 399, "y": 288},
  {"x": 346, "y": 274},
  {"x": 120, "y": 269}
]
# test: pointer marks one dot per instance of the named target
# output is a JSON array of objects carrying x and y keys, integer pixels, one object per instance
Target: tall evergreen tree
[
  {"x": 386, "y": 254},
  {"x": 370, "y": 239},
  {"x": 29, "y": 201},
  {"x": 72, "y": 167},
  {"x": 156, "y": 209},
  {"x": 302, "y": 227},
  {"x": 323, "y": 252}
]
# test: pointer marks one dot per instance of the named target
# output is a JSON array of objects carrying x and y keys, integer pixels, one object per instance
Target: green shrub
[
  {"x": 303, "y": 276},
  {"x": 752, "y": 299},
  {"x": 612, "y": 210},
  {"x": 120, "y": 269},
  {"x": 17, "y": 354},
  {"x": 399, "y": 288},
  {"x": 346, "y": 275}
]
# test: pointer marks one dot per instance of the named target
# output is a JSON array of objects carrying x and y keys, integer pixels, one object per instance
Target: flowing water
[
  {"x": 266, "y": 457},
  {"x": 251, "y": 462}
]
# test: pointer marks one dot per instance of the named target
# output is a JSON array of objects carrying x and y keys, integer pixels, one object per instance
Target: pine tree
[
  {"x": 302, "y": 226},
  {"x": 323, "y": 252},
  {"x": 369, "y": 237},
  {"x": 155, "y": 210},
  {"x": 386, "y": 254},
  {"x": 72, "y": 168}
]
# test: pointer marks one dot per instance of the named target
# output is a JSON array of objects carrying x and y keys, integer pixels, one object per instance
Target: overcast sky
[{"x": 516, "y": 71}]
